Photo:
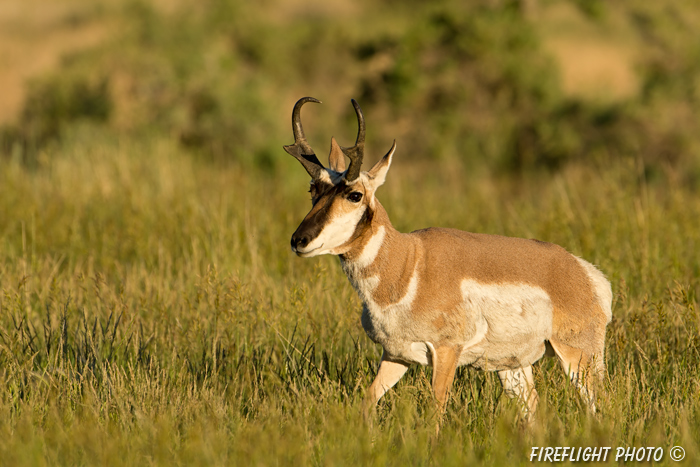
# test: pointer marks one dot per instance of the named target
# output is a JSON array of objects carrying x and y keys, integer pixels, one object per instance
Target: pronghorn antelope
[{"x": 444, "y": 297}]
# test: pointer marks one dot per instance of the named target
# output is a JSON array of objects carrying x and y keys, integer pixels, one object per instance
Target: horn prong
[{"x": 301, "y": 149}]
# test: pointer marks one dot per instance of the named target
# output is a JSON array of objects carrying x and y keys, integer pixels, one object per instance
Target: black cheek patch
[
  {"x": 317, "y": 218},
  {"x": 318, "y": 189}
]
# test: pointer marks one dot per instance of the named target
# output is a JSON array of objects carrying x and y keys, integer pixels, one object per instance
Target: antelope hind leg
[
  {"x": 581, "y": 369},
  {"x": 521, "y": 385}
]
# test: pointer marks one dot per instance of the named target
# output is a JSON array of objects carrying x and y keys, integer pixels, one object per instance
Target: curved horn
[
  {"x": 357, "y": 152},
  {"x": 301, "y": 149}
]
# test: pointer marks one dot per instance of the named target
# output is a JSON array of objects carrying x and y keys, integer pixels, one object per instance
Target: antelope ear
[
  {"x": 336, "y": 158},
  {"x": 377, "y": 174}
]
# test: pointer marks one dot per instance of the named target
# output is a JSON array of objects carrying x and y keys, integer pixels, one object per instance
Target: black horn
[
  {"x": 301, "y": 149},
  {"x": 357, "y": 152}
]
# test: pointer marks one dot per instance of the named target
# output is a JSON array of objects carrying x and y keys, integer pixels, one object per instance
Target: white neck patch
[{"x": 371, "y": 249}]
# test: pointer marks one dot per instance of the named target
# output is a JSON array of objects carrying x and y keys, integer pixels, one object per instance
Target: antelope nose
[{"x": 299, "y": 241}]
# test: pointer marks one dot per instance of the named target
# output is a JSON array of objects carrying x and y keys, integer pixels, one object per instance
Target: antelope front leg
[
  {"x": 388, "y": 375},
  {"x": 444, "y": 367}
]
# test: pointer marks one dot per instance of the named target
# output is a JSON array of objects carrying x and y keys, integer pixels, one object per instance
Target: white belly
[
  {"x": 508, "y": 326},
  {"x": 518, "y": 318}
]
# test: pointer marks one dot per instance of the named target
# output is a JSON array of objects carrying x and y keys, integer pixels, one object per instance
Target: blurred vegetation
[
  {"x": 152, "y": 313},
  {"x": 448, "y": 79}
]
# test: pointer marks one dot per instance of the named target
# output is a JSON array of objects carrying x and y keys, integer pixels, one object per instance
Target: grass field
[{"x": 152, "y": 313}]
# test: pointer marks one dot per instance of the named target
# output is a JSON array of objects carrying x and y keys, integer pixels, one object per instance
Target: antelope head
[{"x": 342, "y": 199}]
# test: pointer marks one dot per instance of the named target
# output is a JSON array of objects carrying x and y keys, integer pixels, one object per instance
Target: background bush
[{"x": 467, "y": 80}]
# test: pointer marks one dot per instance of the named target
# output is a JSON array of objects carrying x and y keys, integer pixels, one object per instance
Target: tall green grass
[{"x": 152, "y": 312}]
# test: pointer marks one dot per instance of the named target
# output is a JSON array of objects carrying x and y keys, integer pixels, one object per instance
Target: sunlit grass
[{"x": 151, "y": 312}]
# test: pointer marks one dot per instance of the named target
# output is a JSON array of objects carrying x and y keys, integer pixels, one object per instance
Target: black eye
[{"x": 355, "y": 196}]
